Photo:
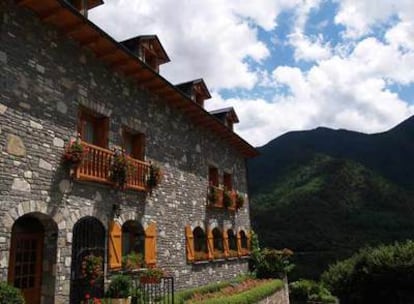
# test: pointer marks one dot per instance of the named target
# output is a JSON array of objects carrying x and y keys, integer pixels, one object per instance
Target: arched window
[
  {"x": 244, "y": 243},
  {"x": 133, "y": 238},
  {"x": 232, "y": 243},
  {"x": 200, "y": 244},
  {"x": 218, "y": 244}
]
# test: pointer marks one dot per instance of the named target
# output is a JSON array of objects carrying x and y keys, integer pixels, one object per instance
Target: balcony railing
[{"x": 96, "y": 167}]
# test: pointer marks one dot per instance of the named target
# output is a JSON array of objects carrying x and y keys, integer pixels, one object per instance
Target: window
[
  {"x": 199, "y": 99},
  {"x": 134, "y": 144},
  {"x": 133, "y": 238},
  {"x": 232, "y": 243},
  {"x": 243, "y": 240},
  {"x": 213, "y": 176},
  {"x": 200, "y": 244},
  {"x": 227, "y": 182},
  {"x": 218, "y": 252},
  {"x": 93, "y": 128}
]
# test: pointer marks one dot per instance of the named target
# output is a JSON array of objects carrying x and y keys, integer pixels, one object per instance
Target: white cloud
[
  {"x": 209, "y": 39},
  {"x": 348, "y": 85},
  {"x": 309, "y": 48},
  {"x": 359, "y": 17}
]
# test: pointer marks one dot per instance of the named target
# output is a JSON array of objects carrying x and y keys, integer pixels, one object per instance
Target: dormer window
[
  {"x": 149, "y": 49},
  {"x": 196, "y": 90},
  {"x": 83, "y": 6},
  {"x": 227, "y": 116}
]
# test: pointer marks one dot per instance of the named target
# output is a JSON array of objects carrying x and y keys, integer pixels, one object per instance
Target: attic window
[
  {"x": 229, "y": 123},
  {"x": 199, "y": 100}
]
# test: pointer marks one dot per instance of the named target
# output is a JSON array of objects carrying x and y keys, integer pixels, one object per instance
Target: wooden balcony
[{"x": 96, "y": 165}]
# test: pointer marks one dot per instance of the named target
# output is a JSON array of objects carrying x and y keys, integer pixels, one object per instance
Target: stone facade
[{"x": 45, "y": 78}]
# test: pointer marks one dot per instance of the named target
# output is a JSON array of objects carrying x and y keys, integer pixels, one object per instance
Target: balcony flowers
[
  {"x": 74, "y": 152},
  {"x": 239, "y": 201},
  {"x": 227, "y": 199},
  {"x": 119, "y": 169},
  {"x": 212, "y": 195}
]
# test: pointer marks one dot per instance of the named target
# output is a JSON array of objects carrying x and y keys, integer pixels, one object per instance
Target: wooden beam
[
  {"x": 91, "y": 41},
  {"x": 52, "y": 13},
  {"x": 24, "y": 2},
  {"x": 78, "y": 29},
  {"x": 106, "y": 52},
  {"x": 120, "y": 62}
]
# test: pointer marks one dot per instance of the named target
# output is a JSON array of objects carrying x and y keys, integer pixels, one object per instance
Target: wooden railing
[{"x": 96, "y": 165}]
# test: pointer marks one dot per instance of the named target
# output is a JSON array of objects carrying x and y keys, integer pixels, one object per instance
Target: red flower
[{"x": 87, "y": 296}]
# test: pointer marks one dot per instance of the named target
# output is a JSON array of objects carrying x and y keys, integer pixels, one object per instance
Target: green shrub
[
  {"x": 250, "y": 296},
  {"x": 384, "y": 274},
  {"x": 303, "y": 291},
  {"x": 120, "y": 287},
  {"x": 10, "y": 294},
  {"x": 269, "y": 263}
]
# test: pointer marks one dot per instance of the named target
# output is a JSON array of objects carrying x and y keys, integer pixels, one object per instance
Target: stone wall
[
  {"x": 280, "y": 297},
  {"x": 45, "y": 77}
]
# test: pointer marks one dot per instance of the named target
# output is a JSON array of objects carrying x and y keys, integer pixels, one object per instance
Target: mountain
[
  {"x": 388, "y": 153},
  {"x": 326, "y": 193}
]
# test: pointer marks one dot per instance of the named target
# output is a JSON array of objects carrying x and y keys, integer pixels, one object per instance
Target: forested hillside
[{"x": 326, "y": 193}]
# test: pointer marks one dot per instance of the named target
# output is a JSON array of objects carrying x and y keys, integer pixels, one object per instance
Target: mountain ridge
[{"x": 326, "y": 193}]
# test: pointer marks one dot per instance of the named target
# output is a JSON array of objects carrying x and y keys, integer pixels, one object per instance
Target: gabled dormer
[
  {"x": 227, "y": 116},
  {"x": 196, "y": 90},
  {"x": 83, "y": 6},
  {"x": 149, "y": 49}
]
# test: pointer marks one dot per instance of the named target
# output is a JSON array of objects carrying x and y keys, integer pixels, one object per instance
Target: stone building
[{"x": 65, "y": 83}]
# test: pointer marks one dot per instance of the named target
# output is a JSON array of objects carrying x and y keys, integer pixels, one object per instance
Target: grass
[{"x": 252, "y": 295}]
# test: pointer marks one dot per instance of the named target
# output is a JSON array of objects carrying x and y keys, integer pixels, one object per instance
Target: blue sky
[{"x": 284, "y": 64}]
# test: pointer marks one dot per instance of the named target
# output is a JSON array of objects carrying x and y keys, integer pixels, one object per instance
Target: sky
[{"x": 284, "y": 65}]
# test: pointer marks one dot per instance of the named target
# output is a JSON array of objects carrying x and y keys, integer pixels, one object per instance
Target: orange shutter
[
  {"x": 151, "y": 245},
  {"x": 114, "y": 245},
  {"x": 210, "y": 244},
  {"x": 249, "y": 240},
  {"x": 189, "y": 243},
  {"x": 225, "y": 243},
  {"x": 239, "y": 249}
]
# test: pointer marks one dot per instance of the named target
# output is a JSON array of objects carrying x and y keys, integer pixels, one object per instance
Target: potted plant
[
  {"x": 239, "y": 201},
  {"x": 132, "y": 261},
  {"x": 119, "y": 169},
  {"x": 154, "y": 176},
  {"x": 119, "y": 289},
  {"x": 227, "y": 199},
  {"x": 151, "y": 276},
  {"x": 91, "y": 272},
  {"x": 212, "y": 195},
  {"x": 10, "y": 294},
  {"x": 74, "y": 152}
]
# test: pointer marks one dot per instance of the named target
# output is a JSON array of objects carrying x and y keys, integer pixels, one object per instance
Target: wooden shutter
[
  {"x": 239, "y": 247},
  {"x": 151, "y": 245},
  {"x": 189, "y": 243},
  {"x": 210, "y": 244},
  {"x": 225, "y": 243},
  {"x": 249, "y": 240},
  {"x": 114, "y": 245}
]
